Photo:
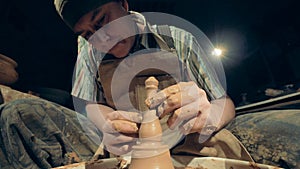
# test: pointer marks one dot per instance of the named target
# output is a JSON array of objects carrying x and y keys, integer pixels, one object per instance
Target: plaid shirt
[{"x": 198, "y": 65}]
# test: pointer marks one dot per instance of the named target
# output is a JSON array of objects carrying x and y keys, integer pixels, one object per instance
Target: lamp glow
[{"x": 217, "y": 52}]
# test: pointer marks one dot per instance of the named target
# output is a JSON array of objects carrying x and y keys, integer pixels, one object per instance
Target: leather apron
[{"x": 123, "y": 80}]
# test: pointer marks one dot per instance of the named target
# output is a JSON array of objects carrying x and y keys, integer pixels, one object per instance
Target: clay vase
[
  {"x": 150, "y": 153},
  {"x": 150, "y": 129},
  {"x": 162, "y": 159},
  {"x": 151, "y": 86},
  {"x": 8, "y": 74}
]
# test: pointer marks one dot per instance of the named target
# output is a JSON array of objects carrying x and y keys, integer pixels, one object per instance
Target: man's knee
[{"x": 13, "y": 108}]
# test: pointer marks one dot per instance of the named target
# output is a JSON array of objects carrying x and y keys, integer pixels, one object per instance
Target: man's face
[{"x": 103, "y": 28}]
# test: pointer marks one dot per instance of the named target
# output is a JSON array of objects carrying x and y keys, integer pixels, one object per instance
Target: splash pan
[{"x": 193, "y": 163}]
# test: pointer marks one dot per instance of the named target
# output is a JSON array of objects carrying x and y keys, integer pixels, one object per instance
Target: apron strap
[
  {"x": 165, "y": 32},
  {"x": 165, "y": 40}
]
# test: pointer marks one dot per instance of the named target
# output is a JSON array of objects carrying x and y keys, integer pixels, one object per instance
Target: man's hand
[
  {"x": 188, "y": 107},
  {"x": 122, "y": 122},
  {"x": 119, "y": 128}
]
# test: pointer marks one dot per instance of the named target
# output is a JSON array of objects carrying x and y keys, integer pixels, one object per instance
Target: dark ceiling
[{"x": 261, "y": 38}]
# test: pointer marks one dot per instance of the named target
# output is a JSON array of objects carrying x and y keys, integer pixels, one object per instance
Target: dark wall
[
  {"x": 271, "y": 55},
  {"x": 34, "y": 36}
]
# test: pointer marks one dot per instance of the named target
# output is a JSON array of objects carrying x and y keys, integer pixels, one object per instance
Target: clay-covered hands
[
  {"x": 188, "y": 107},
  {"x": 120, "y": 131},
  {"x": 122, "y": 122},
  {"x": 119, "y": 128}
]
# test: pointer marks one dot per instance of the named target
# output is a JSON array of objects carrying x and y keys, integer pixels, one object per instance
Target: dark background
[{"x": 261, "y": 38}]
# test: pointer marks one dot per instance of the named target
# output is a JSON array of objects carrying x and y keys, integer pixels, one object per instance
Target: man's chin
[
  {"x": 122, "y": 48},
  {"x": 118, "y": 54}
]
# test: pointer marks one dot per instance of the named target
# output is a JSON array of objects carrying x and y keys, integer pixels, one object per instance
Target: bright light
[{"x": 217, "y": 52}]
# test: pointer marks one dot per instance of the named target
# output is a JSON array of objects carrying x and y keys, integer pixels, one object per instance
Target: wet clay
[{"x": 149, "y": 150}]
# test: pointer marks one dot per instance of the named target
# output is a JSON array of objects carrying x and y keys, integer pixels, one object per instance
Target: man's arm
[{"x": 226, "y": 107}]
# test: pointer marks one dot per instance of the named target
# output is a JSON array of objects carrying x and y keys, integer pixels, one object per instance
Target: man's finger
[
  {"x": 125, "y": 115},
  {"x": 108, "y": 128},
  {"x": 178, "y": 100},
  {"x": 201, "y": 124},
  {"x": 193, "y": 125},
  {"x": 114, "y": 139},
  {"x": 182, "y": 87},
  {"x": 118, "y": 150},
  {"x": 183, "y": 114},
  {"x": 187, "y": 127},
  {"x": 160, "y": 96},
  {"x": 124, "y": 126},
  {"x": 120, "y": 126},
  {"x": 118, "y": 144}
]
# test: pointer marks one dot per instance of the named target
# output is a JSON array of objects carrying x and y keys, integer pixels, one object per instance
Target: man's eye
[
  {"x": 88, "y": 35},
  {"x": 97, "y": 26},
  {"x": 99, "y": 23}
]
